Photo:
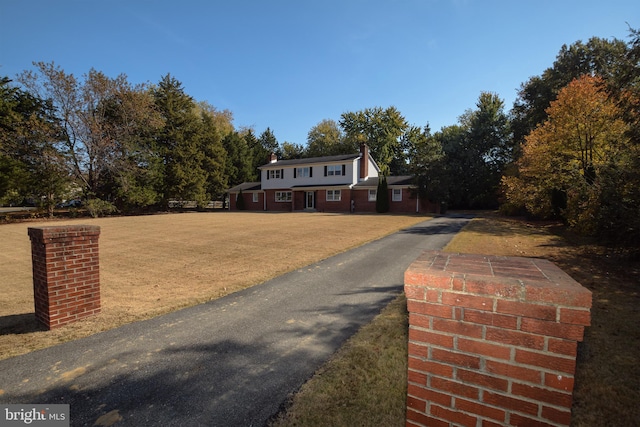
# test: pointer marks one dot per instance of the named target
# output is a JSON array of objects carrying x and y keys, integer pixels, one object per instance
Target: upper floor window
[
  {"x": 275, "y": 174},
  {"x": 334, "y": 170},
  {"x": 305, "y": 172},
  {"x": 397, "y": 195},
  {"x": 333, "y": 196}
]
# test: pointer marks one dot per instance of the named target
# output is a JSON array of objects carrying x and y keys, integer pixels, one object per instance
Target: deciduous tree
[
  {"x": 326, "y": 139},
  {"x": 381, "y": 130},
  {"x": 563, "y": 159}
]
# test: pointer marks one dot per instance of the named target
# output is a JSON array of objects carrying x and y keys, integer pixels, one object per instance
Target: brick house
[{"x": 342, "y": 183}]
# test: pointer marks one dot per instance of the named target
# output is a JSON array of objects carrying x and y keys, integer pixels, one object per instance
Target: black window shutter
[
  {"x": 325, "y": 171},
  {"x": 268, "y": 172},
  {"x": 294, "y": 172},
  {"x": 281, "y": 173},
  {"x": 310, "y": 171},
  {"x": 344, "y": 170}
]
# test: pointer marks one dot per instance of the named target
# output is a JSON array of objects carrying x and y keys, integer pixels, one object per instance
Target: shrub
[
  {"x": 240, "y": 202},
  {"x": 98, "y": 207}
]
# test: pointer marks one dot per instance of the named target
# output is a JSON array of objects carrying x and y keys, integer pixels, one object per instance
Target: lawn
[{"x": 151, "y": 265}]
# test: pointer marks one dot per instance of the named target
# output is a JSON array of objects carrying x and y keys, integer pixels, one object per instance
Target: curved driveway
[{"x": 229, "y": 362}]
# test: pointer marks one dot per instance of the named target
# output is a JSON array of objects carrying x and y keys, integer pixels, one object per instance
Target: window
[
  {"x": 336, "y": 170},
  {"x": 283, "y": 196},
  {"x": 397, "y": 195},
  {"x": 275, "y": 174},
  {"x": 302, "y": 172},
  {"x": 256, "y": 198},
  {"x": 373, "y": 195},
  {"x": 333, "y": 195}
]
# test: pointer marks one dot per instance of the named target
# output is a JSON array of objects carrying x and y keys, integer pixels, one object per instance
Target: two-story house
[{"x": 342, "y": 183}]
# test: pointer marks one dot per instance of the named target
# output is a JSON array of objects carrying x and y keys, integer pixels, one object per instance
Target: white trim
[{"x": 334, "y": 193}]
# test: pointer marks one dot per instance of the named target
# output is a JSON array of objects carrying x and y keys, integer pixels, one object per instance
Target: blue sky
[{"x": 289, "y": 64}]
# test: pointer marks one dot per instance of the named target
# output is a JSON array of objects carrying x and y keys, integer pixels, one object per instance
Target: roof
[
  {"x": 311, "y": 160},
  {"x": 392, "y": 181},
  {"x": 245, "y": 186},
  {"x": 400, "y": 181}
]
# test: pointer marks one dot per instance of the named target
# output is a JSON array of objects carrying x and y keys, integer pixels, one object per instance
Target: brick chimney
[
  {"x": 273, "y": 158},
  {"x": 364, "y": 161}
]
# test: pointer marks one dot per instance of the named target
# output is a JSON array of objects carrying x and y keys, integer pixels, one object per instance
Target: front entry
[{"x": 310, "y": 200}]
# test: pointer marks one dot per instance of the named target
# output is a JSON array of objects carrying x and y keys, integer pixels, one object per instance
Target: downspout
[
  {"x": 264, "y": 200},
  {"x": 417, "y": 203}
]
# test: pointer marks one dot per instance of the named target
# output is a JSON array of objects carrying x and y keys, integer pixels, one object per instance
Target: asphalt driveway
[{"x": 229, "y": 362}]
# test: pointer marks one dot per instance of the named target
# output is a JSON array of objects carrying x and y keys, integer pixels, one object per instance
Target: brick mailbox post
[
  {"x": 492, "y": 340},
  {"x": 66, "y": 273}
]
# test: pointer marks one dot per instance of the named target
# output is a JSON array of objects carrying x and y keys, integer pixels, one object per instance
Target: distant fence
[{"x": 192, "y": 204}]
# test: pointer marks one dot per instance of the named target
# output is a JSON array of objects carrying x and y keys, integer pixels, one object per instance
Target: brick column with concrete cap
[
  {"x": 66, "y": 273},
  {"x": 492, "y": 340}
]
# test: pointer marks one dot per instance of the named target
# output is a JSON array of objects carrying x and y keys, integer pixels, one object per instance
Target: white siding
[{"x": 318, "y": 178}]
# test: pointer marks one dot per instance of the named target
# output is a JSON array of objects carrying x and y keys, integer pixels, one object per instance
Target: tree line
[{"x": 567, "y": 149}]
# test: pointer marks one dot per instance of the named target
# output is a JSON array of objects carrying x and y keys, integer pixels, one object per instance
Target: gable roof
[{"x": 311, "y": 160}]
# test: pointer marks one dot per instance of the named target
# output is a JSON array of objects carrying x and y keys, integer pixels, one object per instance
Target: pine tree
[{"x": 382, "y": 196}]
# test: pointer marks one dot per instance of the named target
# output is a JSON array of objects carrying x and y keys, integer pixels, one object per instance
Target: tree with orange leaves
[{"x": 563, "y": 159}]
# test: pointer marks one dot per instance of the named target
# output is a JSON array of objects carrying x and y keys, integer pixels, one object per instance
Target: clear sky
[{"x": 289, "y": 64}]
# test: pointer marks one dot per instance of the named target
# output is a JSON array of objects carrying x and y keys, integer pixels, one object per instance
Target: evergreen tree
[
  {"x": 382, "y": 196},
  {"x": 32, "y": 161},
  {"x": 238, "y": 162},
  {"x": 264, "y": 145},
  {"x": 214, "y": 155},
  {"x": 179, "y": 144},
  {"x": 240, "y": 202}
]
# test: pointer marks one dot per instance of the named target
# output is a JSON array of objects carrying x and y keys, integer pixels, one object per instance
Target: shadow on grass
[{"x": 20, "y": 324}]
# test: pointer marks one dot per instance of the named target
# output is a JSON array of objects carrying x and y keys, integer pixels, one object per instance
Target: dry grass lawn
[{"x": 151, "y": 265}]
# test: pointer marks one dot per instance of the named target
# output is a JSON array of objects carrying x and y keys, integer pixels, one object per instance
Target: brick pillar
[
  {"x": 492, "y": 340},
  {"x": 66, "y": 273}
]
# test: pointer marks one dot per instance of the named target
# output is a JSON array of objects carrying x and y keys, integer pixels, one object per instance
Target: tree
[
  {"x": 427, "y": 164},
  {"x": 264, "y": 145},
  {"x": 291, "y": 150},
  {"x": 238, "y": 161},
  {"x": 240, "y": 201},
  {"x": 133, "y": 179},
  {"x": 179, "y": 144},
  {"x": 489, "y": 145},
  {"x": 32, "y": 163},
  {"x": 382, "y": 195},
  {"x": 564, "y": 159},
  {"x": 214, "y": 154},
  {"x": 101, "y": 119},
  {"x": 605, "y": 58},
  {"x": 326, "y": 139},
  {"x": 382, "y": 131}
]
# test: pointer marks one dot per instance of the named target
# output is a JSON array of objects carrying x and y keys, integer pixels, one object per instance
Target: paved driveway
[{"x": 230, "y": 362}]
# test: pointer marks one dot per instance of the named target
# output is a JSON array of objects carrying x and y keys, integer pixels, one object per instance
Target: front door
[{"x": 310, "y": 200}]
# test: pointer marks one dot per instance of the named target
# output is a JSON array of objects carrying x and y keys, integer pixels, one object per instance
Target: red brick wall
[
  {"x": 249, "y": 204},
  {"x": 272, "y": 205},
  {"x": 66, "y": 273},
  {"x": 362, "y": 203},
  {"x": 343, "y": 205},
  {"x": 492, "y": 340}
]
